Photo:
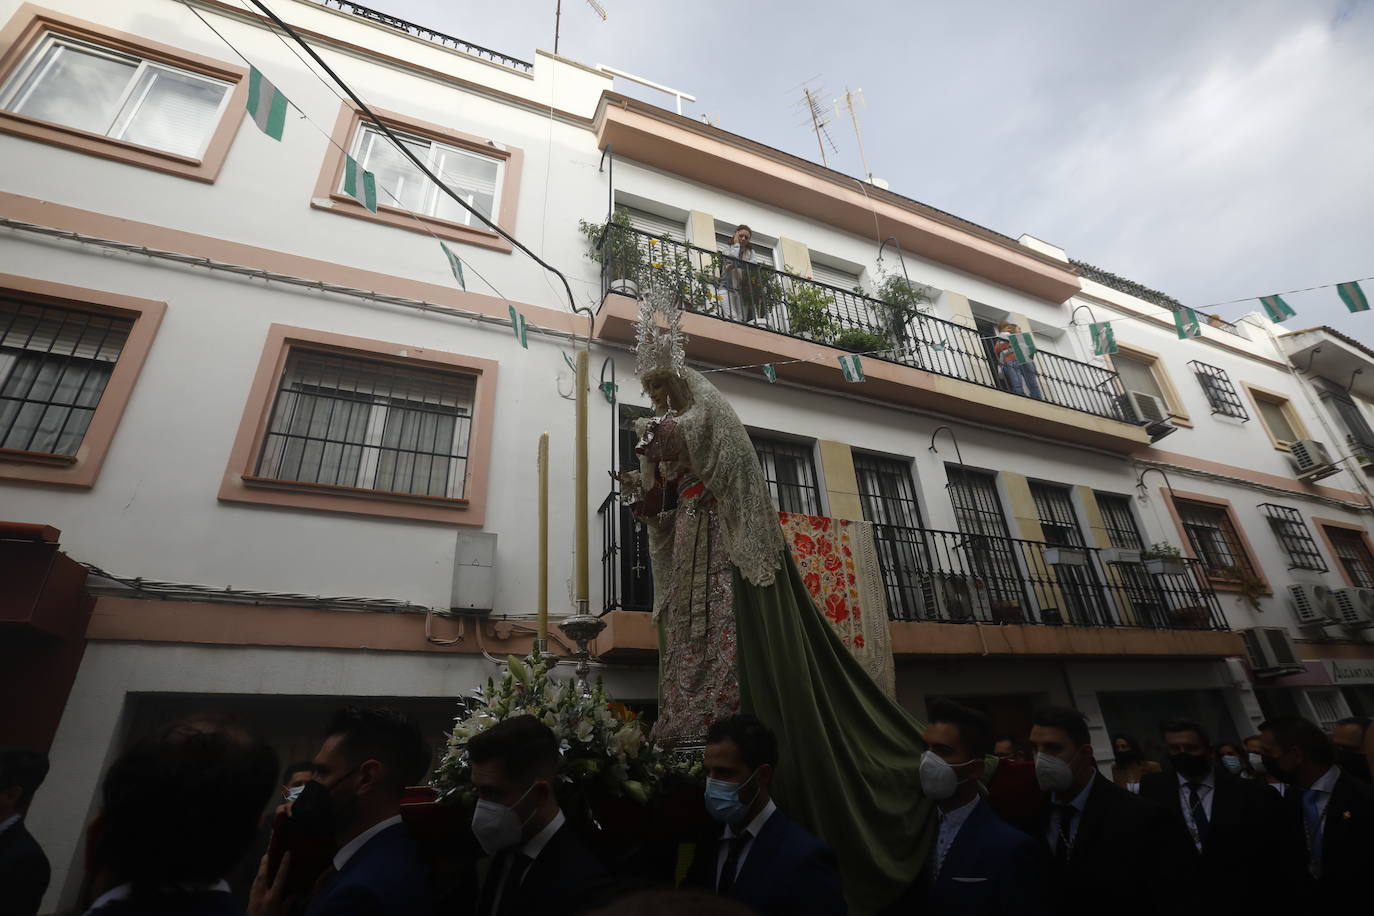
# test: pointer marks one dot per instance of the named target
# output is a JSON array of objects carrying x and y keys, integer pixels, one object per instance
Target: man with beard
[
  {"x": 364, "y": 765},
  {"x": 1243, "y": 853}
]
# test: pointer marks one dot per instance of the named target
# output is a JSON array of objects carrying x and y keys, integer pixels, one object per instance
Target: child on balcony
[{"x": 1022, "y": 377}]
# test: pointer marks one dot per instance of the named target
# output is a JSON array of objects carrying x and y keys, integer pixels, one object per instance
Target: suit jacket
[
  {"x": 1249, "y": 855},
  {"x": 787, "y": 872},
  {"x": 23, "y": 872},
  {"x": 386, "y": 877},
  {"x": 990, "y": 869},
  {"x": 1128, "y": 851},
  {"x": 565, "y": 878},
  {"x": 1347, "y": 844}
]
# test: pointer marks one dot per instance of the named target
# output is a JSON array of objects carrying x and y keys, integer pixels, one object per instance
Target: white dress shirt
[
  {"x": 1080, "y": 801},
  {"x": 358, "y": 842},
  {"x": 1323, "y": 788},
  {"x": 951, "y": 822},
  {"x": 1206, "y": 788},
  {"x": 754, "y": 827}
]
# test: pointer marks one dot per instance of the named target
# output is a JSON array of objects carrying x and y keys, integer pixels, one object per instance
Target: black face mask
[
  {"x": 1126, "y": 758},
  {"x": 314, "y": 811},
  {"x": 1353, "y": 763},
  {"x": 1191, "y": 766},
  {"x": 1271, "y": 766}
]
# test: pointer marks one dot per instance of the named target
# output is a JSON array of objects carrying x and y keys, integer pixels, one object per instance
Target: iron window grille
[
  {"x": 1295, "y": 536},
  {"x": 54, "y": 365},
  {"x": 1215, "y": 540},
  {"x": 1119, "y": 521},
  {"x": 889, "y": 502},
  {"x": 1354, "y": 556},
  {"x": 369, "y": 425},
  {"x": 1221, "y": 394},
  {"x": 1361, "y": 437},
  {"x": 978, "y": 514},
  {"x": 1054, "y": 506},
  {"x": 1079, "y": 587},
  {"x": 790, "y": 471}
]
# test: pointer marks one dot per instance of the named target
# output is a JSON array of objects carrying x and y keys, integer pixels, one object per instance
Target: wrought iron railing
[
  {"x": 626, "y": 580},
  {"x": 952, "y": 577},
  {"x": 710, "y": 283},
  {"x": 420, "y": 31}
]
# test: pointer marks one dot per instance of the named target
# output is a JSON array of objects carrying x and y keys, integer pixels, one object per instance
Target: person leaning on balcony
[
  {"x": 1022, "y": 378},
  {"x": 1109, "y": 849},
  {"x": 1129, "y": 764},
  {"x": 742, "y": 280}
]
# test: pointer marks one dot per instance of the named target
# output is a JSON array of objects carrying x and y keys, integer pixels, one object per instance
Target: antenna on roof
[
  {"x": 819, "y": 118},
  {"x": 558, "y": 18},
  {"x": 850, "y": 100}
]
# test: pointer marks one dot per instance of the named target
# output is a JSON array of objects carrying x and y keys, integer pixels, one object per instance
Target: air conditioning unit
[
  {"x": 1148, "y": 411},
  {"x": 1313, "y": 604},
  {"x": 1311, "y": 461},
  {"x": 1271, "y": 651},
  {"x": 959, "y": 597},
  {"x": 1354, "y": 606}
]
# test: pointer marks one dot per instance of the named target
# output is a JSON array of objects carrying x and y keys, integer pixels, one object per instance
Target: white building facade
[{"x": 222, "y": 375}]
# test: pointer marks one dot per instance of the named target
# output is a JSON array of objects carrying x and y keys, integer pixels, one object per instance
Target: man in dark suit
[
  {"x": 1331, "y": 814},
  {"x": 367, "y": 759},
  {"x": 980, "y": 866},
  {"x": 1347, "y": 737},
  {"x": 537, "y": 863},
  {"x": 178, "y": 810},
  {"x": 1244, "y": 854},
  {"x": 762, "y": 858},
  {"x": 23, "y": 867},
  {"x": 1108, "y": 847}
]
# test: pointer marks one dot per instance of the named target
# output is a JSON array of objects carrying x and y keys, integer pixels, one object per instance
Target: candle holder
[{"x": 582, "y": 629}]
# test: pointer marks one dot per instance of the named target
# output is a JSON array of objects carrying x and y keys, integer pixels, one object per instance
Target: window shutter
[
  {"x": 654, "y": 224},
  {"x": 833, "y": 276}
]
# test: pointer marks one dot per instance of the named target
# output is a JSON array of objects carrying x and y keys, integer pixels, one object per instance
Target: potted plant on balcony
[
  {"x": 1163, "y": 560},
  {"x": 616, "y": 248},
  {"x": 901, "y": 302},
  {"x": 808, "y": 312},
  {"x": 1066, "y": 556},
  {"x": 859, "y": 340},
  {"x": 1252, "y": 587}
]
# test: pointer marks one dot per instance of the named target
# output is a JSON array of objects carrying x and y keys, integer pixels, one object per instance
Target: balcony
[{"x": 739, "y": 315}]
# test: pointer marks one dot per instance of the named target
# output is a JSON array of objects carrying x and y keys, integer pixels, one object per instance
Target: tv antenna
[
  {"x": 558, "y": 18},
  {"x": 819, "y": 117},
  {"x": 851, "y": 101}
]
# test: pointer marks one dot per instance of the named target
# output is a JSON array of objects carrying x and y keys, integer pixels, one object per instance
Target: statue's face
[{"x": 657, "y": 389}]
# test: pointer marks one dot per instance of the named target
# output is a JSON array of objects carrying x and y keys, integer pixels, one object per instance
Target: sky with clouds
[{"x": 1211, "y": 150}]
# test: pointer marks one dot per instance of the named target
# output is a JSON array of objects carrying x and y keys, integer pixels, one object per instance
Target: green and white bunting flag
[
  {"x": 1186, "y": 323},
  {"x": 1104, "y": 338},
  {"x": 939, "y": 346},
  {"x": 852, "y": 367},
  {"x": 1276, "y": 308},
  {"x": 455, "y": 264},
  {"x": 769, "y": 372},
  {"x": 1023, "y": 345},
  {"x": 360, "y": 184},
  {"x": 1353, "y": 297},
  {"x": 517, "y": 324},
  {"x": 266, "y": 104}
]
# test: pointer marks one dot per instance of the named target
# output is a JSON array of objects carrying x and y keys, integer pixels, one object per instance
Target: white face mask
[
  {"x": 1053, "y": 774},
  {"x": 1256, "y": 762},
  {"x": 496, "y": 826},
  {"x": 938, "y": 778}
]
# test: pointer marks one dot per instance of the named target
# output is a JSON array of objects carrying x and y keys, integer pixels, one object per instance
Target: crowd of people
[{"x": 1281, "y": 822}]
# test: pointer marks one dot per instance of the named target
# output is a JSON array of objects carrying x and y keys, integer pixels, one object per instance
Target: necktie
[
  {"x": 1200, "y": 824},
  {"x": 510, "y": 885},
  {"x": 1062, "y": 848},
  {"x": 727, "y": 874},
  {"x": 1312, "y": 822}
]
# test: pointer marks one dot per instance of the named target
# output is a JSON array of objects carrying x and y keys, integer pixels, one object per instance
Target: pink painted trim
[
  {"x": 146, "y": 315},
  {"x": 1324, "y": 523},
  {"x": 1273, "y": 480},
  {"x": 30, "y": 23},
  {"x": 241, "y": 484},
  {"x": 1186, "y": 543}
]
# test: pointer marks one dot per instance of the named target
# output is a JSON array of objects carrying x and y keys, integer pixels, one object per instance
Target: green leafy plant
[
  {"x": 900, "y": 300},
  {"x": 808, "y": 312},
  {"x": 859, "y": 340},
  {"x": 1251, "y": 586},
  {"x": 615, "y": 247},
  {"x": 1161, "y": 551}
]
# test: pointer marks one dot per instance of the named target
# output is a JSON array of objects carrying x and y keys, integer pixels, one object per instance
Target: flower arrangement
[{"x": 606, "y": 748}]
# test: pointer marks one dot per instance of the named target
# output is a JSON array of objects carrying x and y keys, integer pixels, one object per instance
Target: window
[
  {"x": 790, "y": 472},
  {"x": 1352, "y": 552},
  {"x": 654, "y": 224},
  {"x": 1054, "y": 506},
  {"x": 475, "y": 178},
  {"x": 763, "y": 255},
  {"x": 1214, "y": 539},
  {"x": 889, "y": 501},
  {"x": 1361, "y": 437},
  {"x": 117, "y": 95},
  {"x": 368, "y": 425},
  {"x": 987, "y": 546},
  {"x": 1078, "y": 585},
  {"x": 1119, "y": 521},
  {"x": 54, "y": 366},
  {"x": 1295, "y": 537},
  {"x": 833, "y": 275},
  {"x": 1136, "y": 375},
  {"x": 1221, "y": 394}
]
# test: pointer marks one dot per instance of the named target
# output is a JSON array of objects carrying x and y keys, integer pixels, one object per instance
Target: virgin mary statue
[{"x": 739, "y": 632}]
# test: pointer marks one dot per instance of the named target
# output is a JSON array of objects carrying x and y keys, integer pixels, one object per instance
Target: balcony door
[
  {"x": 629, "y": 553},
  {"x": 1078, "y": 586},
  {"x": 889, "y": 502},
  {"x": 985, "y": 552}
]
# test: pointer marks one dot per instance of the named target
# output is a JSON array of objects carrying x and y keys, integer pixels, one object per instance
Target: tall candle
[
  {"x": 582, "y": 590},
  {"x": 544, "y": 537}
]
